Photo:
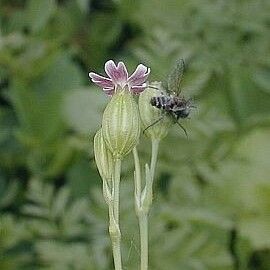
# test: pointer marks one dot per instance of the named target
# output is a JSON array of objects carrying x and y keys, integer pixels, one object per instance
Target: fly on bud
[
  {"x": 155, "y": 124},
  {"x": 171, "y": 103}
]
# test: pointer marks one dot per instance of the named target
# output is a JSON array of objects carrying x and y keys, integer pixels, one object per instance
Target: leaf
[
  {"x": 61, "y": 256},
  {"x": 61, "y": 75},
  {"x": 60, "y": 202},
  {"x": 76, "y": 212},
  {"x": 9, "y": 194},
  {"x": 82, "y": 177},
  {"x": 257, "y": 230},
  {"x": 36, "y": 211},
  {"x": 262, "y": 79},
  {"x": 82, "y": 109},
  {"x": 40, "y": 119},
  {"x": 39, "y": 13},
  {"x": 83, "y": 5},
  {"x": 248, "y": 104}
]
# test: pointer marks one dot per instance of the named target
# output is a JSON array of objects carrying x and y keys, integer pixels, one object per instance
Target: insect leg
[
  {"x": 182, "y": 128},
  {"x": 155, "y": 122},
  {"x": 153, "y": 87}
]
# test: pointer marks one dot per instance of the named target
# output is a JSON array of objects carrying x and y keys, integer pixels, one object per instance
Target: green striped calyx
[{"x": 121, "y": 124}]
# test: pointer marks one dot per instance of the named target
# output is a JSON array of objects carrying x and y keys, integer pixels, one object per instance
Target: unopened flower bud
[
  {"x": 155, "y": 122},
  {"x": 103, "y": 157},
  {"x": 121, "y": 124}
]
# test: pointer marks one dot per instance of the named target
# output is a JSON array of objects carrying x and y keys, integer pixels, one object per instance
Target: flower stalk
[
  {"x": 116, "y": 191},
  {"x": 143, "y": 199},
  {"x": 109, "y": 170},
  {"x": 119, "y": 135},
  {"x": 114, "y": 227},
  {"x": 111, "y": 195},
  {"x": 143, "y": 225},
  {"x": 155, "y": 146}
]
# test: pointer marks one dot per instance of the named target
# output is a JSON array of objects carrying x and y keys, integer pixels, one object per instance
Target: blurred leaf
[
  {"x": 256, "y": 195},
  {"x": 261, "y": 77},
  {"x": 103, "y": 34},
  {"x": 39, "y": 13},
  {"x": 61, "y": 75},
  {"x": 61, "y": 256},
  {"x": 83, "y": 5},
  {"x": 40, "y": 118},
  {"x": 13, "y": 233},
  {"x": 54, "y": 215},
  {"x": 81, "y": 178},
  {"x": 8, "y": 194},
  {"x": 248, "y": 102},
  {"x": 82, "y": 109}
]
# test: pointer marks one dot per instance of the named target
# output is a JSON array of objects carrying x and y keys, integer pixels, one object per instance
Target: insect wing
[
  {"x": 175, "y": 77},
  {"x": 165, "y": 87}
]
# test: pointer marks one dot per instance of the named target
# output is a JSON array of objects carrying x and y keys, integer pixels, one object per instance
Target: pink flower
[{"x": 118, "y": 78}]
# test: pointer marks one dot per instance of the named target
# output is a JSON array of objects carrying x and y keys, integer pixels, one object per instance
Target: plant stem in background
[{"x": 143, "y": 199}]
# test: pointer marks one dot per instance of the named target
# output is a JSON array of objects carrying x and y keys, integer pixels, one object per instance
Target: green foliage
[
  {"x": 211, "y": 205},
  {"x": 38, "y": 13}
]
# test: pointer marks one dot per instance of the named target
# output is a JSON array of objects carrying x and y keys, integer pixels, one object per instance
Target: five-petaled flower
[{"x": 119, "y": 79}]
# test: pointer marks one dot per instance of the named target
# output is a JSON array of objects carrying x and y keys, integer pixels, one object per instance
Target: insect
[{"x": 170, "y": 102}]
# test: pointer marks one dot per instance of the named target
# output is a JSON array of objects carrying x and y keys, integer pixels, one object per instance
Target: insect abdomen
[{"x": 159, "y": 102}]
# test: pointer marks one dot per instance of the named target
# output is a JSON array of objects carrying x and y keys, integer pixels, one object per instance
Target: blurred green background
[{"x": 212, "y": 193}]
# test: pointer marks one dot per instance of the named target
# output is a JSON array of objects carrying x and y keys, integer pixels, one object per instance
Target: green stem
[
  {"x": 155, "y": 146},
  {"x": 116, "y": 191},
  {"x": 143, "y": 204},
  {"x": 116, "y": 247},
  {"x": 137, "y": 178},
  {"x": 114, "y": 228},
  {"x": 115, "y": 235},
  {"x": 143, "y": 223}
]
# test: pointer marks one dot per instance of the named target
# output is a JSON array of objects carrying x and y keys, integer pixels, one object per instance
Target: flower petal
[
  {"x": 110, "y": 67},
  {"x": 137, "y": 89},
  {"x": 100, "y": 80},
  {"x": 123, "y": 70},
  {"x": 118, "y": 73},
  {"x": 139, "y": 76}
]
